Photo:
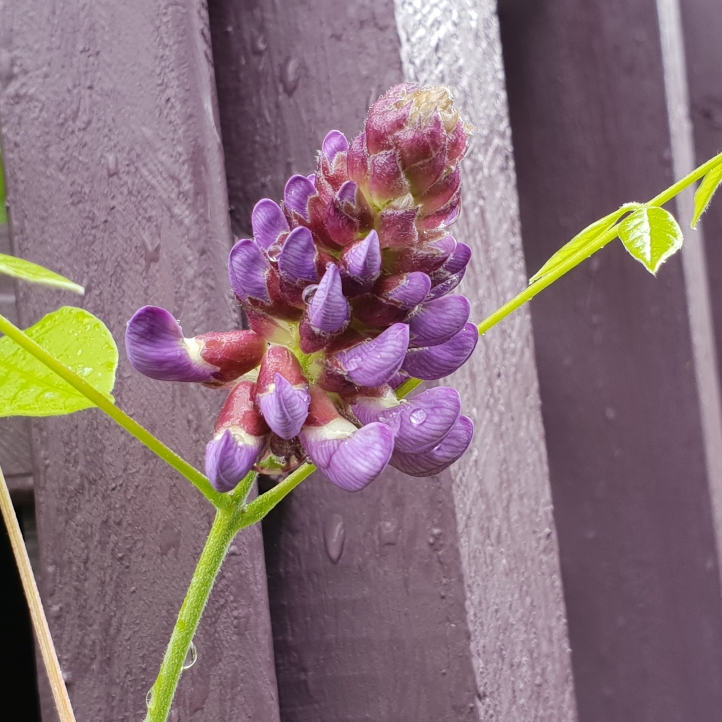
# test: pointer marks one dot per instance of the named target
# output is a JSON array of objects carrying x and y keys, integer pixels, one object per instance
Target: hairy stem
[
  {"x": 37, "y": 613},
  {"x": 115, "y": 413},
  {"x": 214, "y": 552}
]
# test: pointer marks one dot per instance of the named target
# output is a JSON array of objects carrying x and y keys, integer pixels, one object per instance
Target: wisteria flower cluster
[{"x": 347, "y": 289}]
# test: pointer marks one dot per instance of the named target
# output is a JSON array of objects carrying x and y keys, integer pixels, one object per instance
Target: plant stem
[
  {"x": 528, "y": 293},
  {"x": 37, "y": 613},
  {"x": 115, "y": 413},
  {"x": 219, "y": 539}
]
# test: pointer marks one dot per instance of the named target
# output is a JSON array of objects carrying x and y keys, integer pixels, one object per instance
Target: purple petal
[
  {"x": 362, "y": 260},
  {"x": 248, "y": 270},
  {"x": 297, "y": 261},
  {"x": 351, "y": 458},
  {"x": 420, "y": 423},
  {"x": 435, "y": 362},
  {"x": 334, "y": 143},
  {"x": 347, "y": 193},
  {"x": 447, "y": 286},
  {"x": 230, "y": 455},
  {"x": 285, "y": 407},
  {"x": 268, "y": 222},
  {"x": 374, "y": 362},
  {"x": 156, "y": 347},
  {"x": 459, "y": 259},
  {"x": 439, "y": 457},
  {"x": 297, "y": 192},
  {"x": 328, "y": 309},
  {"x": 437, "y": 321},
  {"x": 412, "y": 290}
]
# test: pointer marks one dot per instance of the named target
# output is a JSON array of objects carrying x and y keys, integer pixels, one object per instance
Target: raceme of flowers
[{"x": 347, "y": 289}]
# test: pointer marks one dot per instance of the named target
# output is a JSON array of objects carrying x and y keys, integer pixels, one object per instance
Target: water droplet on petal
[
  {"x": 417, "y": 417},
  {"x": 274, "y": 252},
  {"x": 191, "y": 657},
  {"x": 309, "y": 292}
]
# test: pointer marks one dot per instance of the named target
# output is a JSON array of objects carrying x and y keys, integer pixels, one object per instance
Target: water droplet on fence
[
  {"x": 290, "y": 75},
  {"x": 388, "y": 533},
  {"x": 259, "y": 44},
  {"x": 417, "y": 417},
  {"x": 191, "y": 657},
  {"x": 111, "y": 160},
  {"x": 174, "y": 715},
  {"x": 334, "y": 536}
]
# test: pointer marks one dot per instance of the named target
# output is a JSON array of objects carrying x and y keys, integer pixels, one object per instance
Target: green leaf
[
  {"x": 77, "y": 339},
  {"x": 584, "y": 240},
  {"x": 710, "y": 183},
  {"x": 27, "y": 271},
  {"x": 651, "y": 235}
]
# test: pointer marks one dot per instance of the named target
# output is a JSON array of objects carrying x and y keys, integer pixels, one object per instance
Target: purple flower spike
[
  {"x": 248, "y": 271},
  {"x": 297, "y": 261},
  {"x": 334, "y": 143},
  {"x": 268, "y": 222},
  {"x": 351, "y": 458},
  {"x": 435, "y": 362},
  {"x": 328, "y": 309},
  {"x": 230, "y": 455},
  {"x": 156, "y": 347},
  {"x": 439, "y": 457},
  {"x": 437, "y": 321},
  {"x": 412, "y": 289},
  {"x": 297, "y": 192},
  {"x": 420, "y": 423},
  {"x": 374, "y": 362},
  {"x": 284, "y": 407},
  {"x": 362, "y": 260}
]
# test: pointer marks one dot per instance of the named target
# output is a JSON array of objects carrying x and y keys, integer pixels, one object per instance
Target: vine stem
[
  {"x": 37, "y": 613},
  {"x": 115, "y": 413}
]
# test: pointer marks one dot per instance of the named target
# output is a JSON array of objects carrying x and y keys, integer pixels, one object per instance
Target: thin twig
[{"x": 37, "y": 613}]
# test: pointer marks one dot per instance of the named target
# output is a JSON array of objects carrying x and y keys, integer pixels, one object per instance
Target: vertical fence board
[
  {"x": 616, "y": 366},
  {"x": 383, "y": 605},
  {"x": 115, "y": 178}
]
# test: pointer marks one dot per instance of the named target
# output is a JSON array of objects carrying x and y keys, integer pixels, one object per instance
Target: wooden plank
[
  {"x": 618, "y": 378},
  {"x": 115, "y": 177},
  {"x": 384, "y": 607}
]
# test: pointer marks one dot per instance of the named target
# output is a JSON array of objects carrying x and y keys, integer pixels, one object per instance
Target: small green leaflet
[
  {"x": 77, "y": 339},
  {"x": 651, "y": 235},
  {"x": 27, "y": 271},
  {"x": 710, "y": 183},
  {"x": 579, "y": 244}
]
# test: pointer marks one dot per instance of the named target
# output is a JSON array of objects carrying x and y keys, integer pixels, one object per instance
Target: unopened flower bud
[
  {"x": 268, "y": 222},
  {"x": 435, "y": 322},
  {"x": 435, "y": 362}
]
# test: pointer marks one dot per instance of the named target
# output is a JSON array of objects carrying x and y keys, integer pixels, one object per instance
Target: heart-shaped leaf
[
  {"x": 583, "y": 243},
  {"x": 77, "y": 339},
  {"x": 27, "y": 271},
  {"x": 710, "y": 183},
  {"x": 651, "y": 235}
]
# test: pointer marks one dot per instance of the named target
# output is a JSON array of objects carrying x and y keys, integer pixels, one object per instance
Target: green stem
[
  {"x": 119, "y": 416},
  {"x": 214, "y": 552},
  {"x": 528, "y": 293}
]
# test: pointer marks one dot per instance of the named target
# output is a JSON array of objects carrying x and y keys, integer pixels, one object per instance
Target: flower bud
[
  {"x": 296, "y": 195},
  {"x": 297, "y": 260},
  {"x": 440, "y": 457},
  {"x": 351, "y": 458},
  {"x": 435, "y": 322},
  {"x": 157, "y": 348},
  {"x": 241, "y": 435},
  {"x": 406, "y": 290},
  {"x": 248, "y": 271},
  {"x": 282, "y": 392},
  {"x": 361, "y": 264},
  {"x": 435, "y": 362},
  {"x": 269, "y": 223}
]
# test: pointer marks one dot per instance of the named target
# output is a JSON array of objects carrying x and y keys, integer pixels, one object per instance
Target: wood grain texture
[
  {"x": 384, "y": 606},
  {"x": 616, "y": 367},
  {"x": 115, "y": 177}
]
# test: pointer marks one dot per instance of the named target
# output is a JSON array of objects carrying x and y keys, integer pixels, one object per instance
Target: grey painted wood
[
  {"x": 616, "y": 366},
  {"x": 115, "y": 177},
  {"x": 417, "y": 599}
]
